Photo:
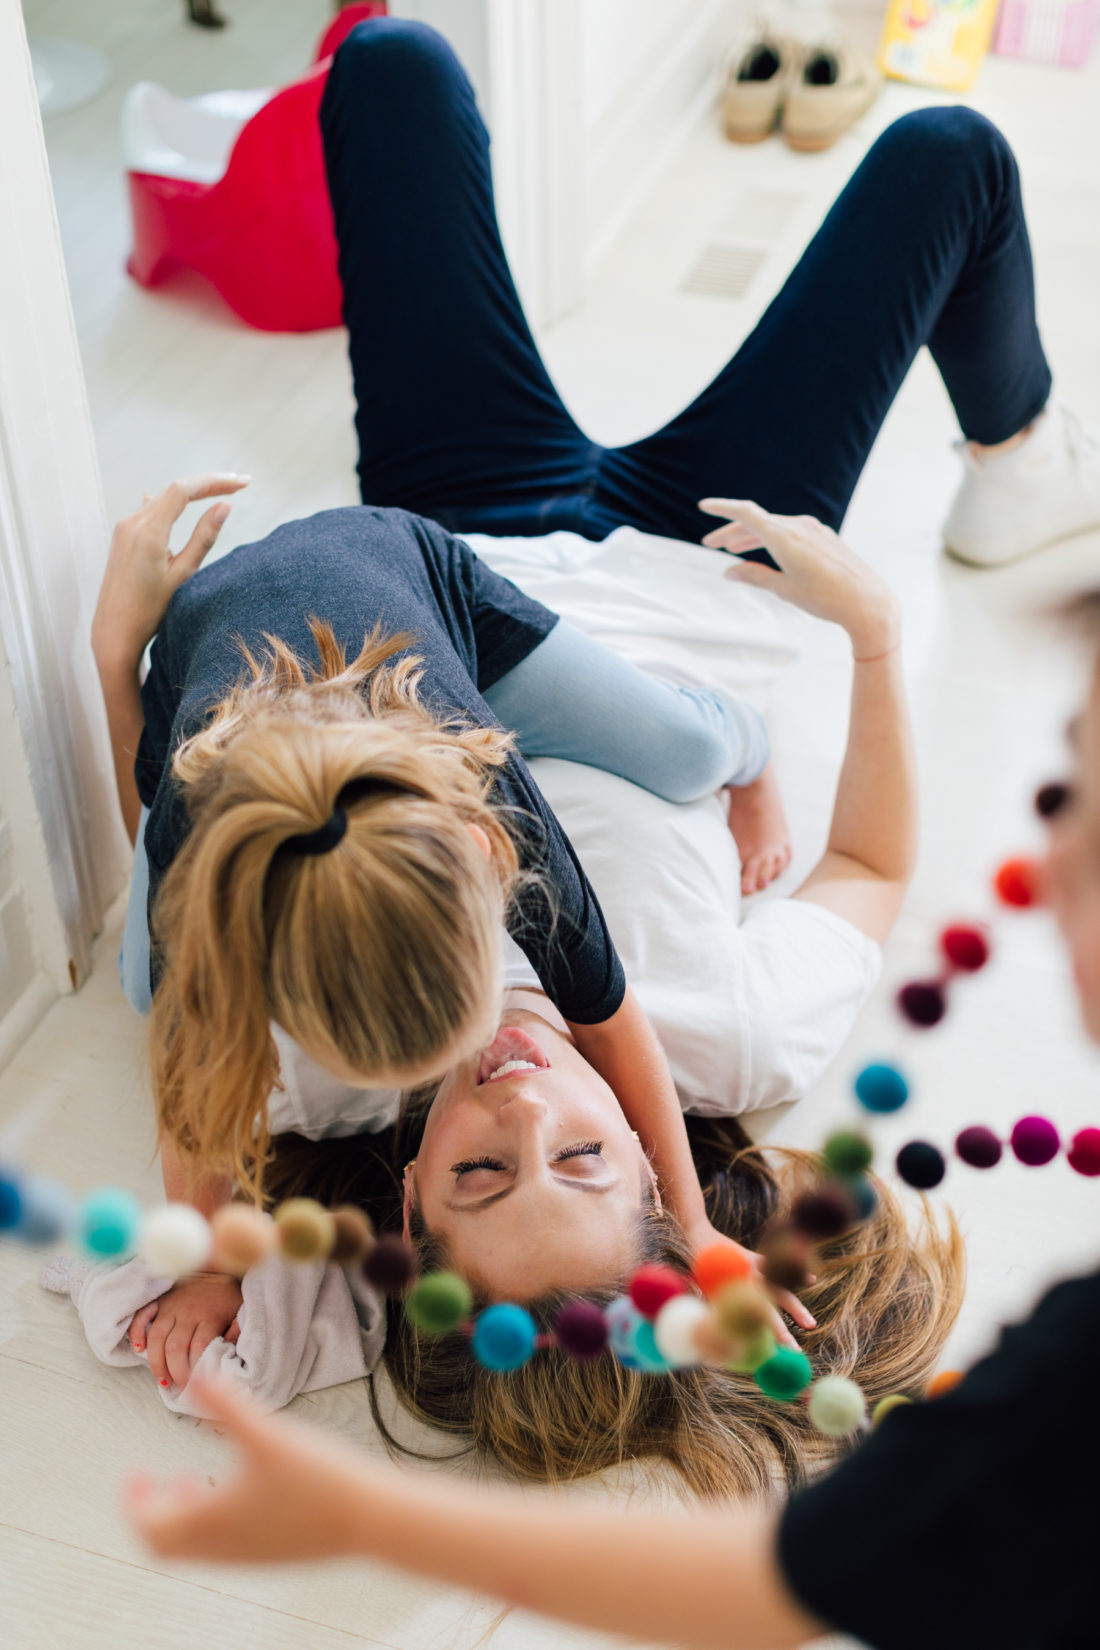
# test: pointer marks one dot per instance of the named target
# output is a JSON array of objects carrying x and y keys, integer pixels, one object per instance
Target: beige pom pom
[
  {"x": 307, "y": 1231},
  {"x": 354, "y": 1235},
  {"x": 243, "y": 1237}
]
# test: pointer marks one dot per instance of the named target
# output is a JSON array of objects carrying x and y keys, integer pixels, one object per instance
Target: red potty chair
[{"x": 233, "y": 185}]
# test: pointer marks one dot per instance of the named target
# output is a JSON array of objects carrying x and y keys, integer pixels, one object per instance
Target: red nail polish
[{"x": 164, "y": 1383}]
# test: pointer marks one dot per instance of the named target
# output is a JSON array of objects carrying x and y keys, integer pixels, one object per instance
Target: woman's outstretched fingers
[
  {"x": 139, "y": 1326},
  {"x": 795, "y": 1309}
]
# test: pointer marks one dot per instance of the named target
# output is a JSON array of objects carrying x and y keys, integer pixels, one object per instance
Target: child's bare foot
[{"x": 760, "y": 830}]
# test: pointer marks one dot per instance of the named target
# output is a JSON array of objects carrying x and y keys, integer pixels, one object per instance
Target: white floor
[{"x": 177, "y": 385}]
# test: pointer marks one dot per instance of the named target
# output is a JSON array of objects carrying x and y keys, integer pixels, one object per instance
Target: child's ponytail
[{"x": 330, "y": 883}]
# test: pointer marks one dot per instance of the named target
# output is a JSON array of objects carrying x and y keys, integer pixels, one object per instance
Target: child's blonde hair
[{"x": 379, "y": 956}]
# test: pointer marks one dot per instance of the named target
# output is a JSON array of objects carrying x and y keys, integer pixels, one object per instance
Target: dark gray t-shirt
[{"x": 355, "y": 568}]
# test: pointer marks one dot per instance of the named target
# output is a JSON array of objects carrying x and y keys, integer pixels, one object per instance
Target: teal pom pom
[
  {"x": 623, "y": 1322},
  {"x": 785, "y": 1374},
  {"x": 11, "y": 1200},
  {"x": 862, "y": 1193},
  {"x": 881, "y": 1088},
  {"x": 646, "y": 1352},
  {"x": 108, "y": 1222},
  {"x": 504, "y": 1337},
  {"x": 439, "y": 1303},
  {"x": 47, "y": 1212}
]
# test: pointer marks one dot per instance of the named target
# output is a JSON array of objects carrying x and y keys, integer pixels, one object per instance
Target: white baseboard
[
  {"x": 665, "y": 101},
  {"x": 24, "y": 1015}
]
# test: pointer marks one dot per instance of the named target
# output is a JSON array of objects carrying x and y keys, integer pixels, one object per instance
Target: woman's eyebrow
[{"x": 495, "y": 1197}]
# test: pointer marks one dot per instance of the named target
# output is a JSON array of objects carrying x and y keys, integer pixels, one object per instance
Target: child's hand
[
  {"x": 702, "y": 1236},
  {"x": 297, "y": 1495},
  {"x": 175, "y": 1330},
  {"x": 142, "y": 574}
]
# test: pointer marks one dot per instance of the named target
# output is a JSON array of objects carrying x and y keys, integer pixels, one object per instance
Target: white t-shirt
[{"x": 750, "y": 1011}]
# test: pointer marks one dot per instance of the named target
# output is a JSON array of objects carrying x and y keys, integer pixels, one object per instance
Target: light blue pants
[{"x": 572, "y": 698}]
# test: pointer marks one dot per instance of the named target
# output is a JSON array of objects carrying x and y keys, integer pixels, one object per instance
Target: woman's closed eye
[{"x": 585, "y": 1148}]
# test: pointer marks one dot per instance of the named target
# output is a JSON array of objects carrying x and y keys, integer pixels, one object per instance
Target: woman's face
[
  {"x": 1073, "y": 863},
  {"x": 528, "y": 1170}
]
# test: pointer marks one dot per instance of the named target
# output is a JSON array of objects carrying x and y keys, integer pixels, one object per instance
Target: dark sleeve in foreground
[
  {"x": 556, "y": 918},
  {"x": 972, "y": 1520}
]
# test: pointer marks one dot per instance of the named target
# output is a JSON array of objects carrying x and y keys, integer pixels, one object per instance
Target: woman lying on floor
[{"x": 457, "y": 417}]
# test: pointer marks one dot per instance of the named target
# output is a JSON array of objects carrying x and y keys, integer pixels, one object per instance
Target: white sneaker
[{"x": 1011, "y": 504}]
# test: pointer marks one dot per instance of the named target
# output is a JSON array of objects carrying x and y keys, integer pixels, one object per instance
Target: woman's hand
[
  {"x": 297, "y": 1495},
  {"x": 818, "y": 571},
  {"x": 175, "y": 1330},
  {"x": 142, "y": 574},
  {"x": 702, "y": 1236}
]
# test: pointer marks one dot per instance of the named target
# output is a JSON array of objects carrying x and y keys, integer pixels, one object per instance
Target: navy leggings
[{"x": 458, "y": 418}]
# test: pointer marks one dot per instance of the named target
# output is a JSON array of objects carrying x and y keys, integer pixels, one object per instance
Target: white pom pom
[
  {"x": 674, "y": 1329},
  {"x": 174, "y": 1240},
  {"x": 837, "y": 1406}
]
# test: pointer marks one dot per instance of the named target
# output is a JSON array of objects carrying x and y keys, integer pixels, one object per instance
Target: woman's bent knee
[
  {"x": 394, "y": 47},
  {"x": 955, "y": 143}
]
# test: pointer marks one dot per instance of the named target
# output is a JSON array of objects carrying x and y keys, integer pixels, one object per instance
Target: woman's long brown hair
[{"x": 886, "y": 1297}]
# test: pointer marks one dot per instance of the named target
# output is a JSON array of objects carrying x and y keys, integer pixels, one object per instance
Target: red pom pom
[
  {"x": 923, "y": 1002},
  {"x": 1035, "y": 1141},
  {"x": 719, "y": 1264},
  {"x": 965, "y": 946},
  {"x": 1018, "y": 883},
  {"x": 1084, "y": 1152},
  {"x": 652, "y": 1286}
]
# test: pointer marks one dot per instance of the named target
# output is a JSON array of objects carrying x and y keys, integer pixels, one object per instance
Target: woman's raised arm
[
  {"x": 140, "y": 579},
  {"x": 871, "y": 850}
]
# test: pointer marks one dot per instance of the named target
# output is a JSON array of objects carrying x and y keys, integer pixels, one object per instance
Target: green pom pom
[
  {"x": 847, "y": 1153},
  {"x": 785, "y": 1374},
  {"x": 884, "y": 1406},
  {"x": 756, "y": 1351},
  {"x": 439, "y": 1303},
  {"x": 837, "y": 1406}
]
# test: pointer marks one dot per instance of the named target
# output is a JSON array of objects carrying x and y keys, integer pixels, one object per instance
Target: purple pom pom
[
  {"x": 923, "y": 1002},
  {"x": 1035, "y": 1141},
  {"x": 390, "y": 1266},
  {"x": 979, "y": 1147},
  {"x": 581, "y": 1331}
]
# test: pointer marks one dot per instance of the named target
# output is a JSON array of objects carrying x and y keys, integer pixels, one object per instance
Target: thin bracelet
[{"x": 876, "y": 658}]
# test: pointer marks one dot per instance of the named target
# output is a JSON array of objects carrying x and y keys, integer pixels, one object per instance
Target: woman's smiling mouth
[{"x": 511, "y": 1052}]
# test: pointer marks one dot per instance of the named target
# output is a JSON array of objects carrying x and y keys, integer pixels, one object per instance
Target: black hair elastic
[{"x": 323, "y": 840}]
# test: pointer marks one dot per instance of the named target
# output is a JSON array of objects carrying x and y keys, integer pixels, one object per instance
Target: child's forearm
[
  {"x": 626, "y": 1053},
  {"x": 711, "y": 1579}
]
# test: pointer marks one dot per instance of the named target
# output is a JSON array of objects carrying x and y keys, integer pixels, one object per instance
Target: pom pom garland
[
  {"x": 741, "y": 1310},
  {"x": 354, "y": 1235},
  {"x": 979, "y": 1147},
  {"x": 785, "y": 1374},
  {"x": 652, "y": 1286},
  {"x": 674, "y": 1331},
  {"x": 786, "y": 1257},
  {"x": 837, "y": 1406},
  {"x": 881, "y": 1088},
  {"x": 943, "y": 1383},
  {"x": 1051, "y": 799},
  {"x": 504, "y": 1337},
  {"x": 965, "y": 946},
  {"x": 11, "y": 1201},
  {"x": 645, "y": 1351},
  {"x": 895, "y": 1400},
  {"x": 107, "y": 1222},
  {"x": 824, "y": 1213},
  {"x": 1084, "y": 1152},
  {"x": 439, "y": 1303},
  {"x": 46, "y": 1212},
  {"x": 390, "y": 1265},
  {"x": 921, "y": 1165},
  {"x": 755, "y": 1352},
  {"x": 307, "y": 1230},
  {"x": 175, "y": 1240},
  {"x": 1018, "y": 882},
  {"x": 1034, "y": 1141},
  {"x": 860, "y": 1189},
  {"x": 244, "y": 1237},
  {"x": 719, "y": 1264},
  {"x": 923, "y": 1002},
  {"x": 847, "y": 1152},
  {"x": 581, "y": 1331}
]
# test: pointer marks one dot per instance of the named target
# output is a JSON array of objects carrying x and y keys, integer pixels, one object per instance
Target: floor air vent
[{"x": 724, "y": 271}]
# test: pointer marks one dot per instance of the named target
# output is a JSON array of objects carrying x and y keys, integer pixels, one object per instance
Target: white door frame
[{"x": 68, "y": 842}]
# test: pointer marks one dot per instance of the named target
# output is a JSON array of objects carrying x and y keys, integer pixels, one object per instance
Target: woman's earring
[
  {"x": 411, "y": 1164},
  {"x": 634, "y": 1135}
]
